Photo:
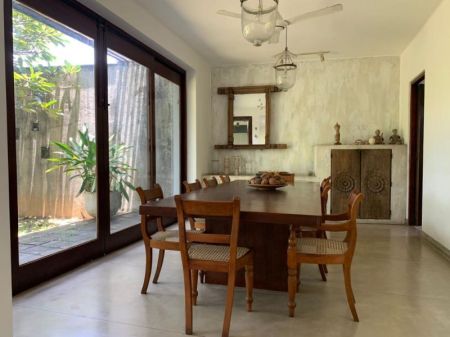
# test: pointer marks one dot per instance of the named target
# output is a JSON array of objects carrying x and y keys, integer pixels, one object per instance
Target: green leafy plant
[
  {"x": 79, "y": 160},
  {"x": 32, "y": 91},
  {"x": 35, "y": 79}
]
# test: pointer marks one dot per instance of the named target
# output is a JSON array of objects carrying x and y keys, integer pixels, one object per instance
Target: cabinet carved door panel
[
  {"x": 345, "y": 175},
  {"x": 376, "y": 184}
]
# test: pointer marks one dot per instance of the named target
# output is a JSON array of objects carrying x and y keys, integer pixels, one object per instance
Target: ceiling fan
[{"x": 268, "y": 23}]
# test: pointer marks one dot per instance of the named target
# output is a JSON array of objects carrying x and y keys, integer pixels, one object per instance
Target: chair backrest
[
  {"x": 151, "y": 194},
  {"x": 225, "y": 179},
  {"x": 210, "y": 182},
  {"x": 192, "y": 186},
  {"x": 324, "y": 197},
  {"x": 289, "y": 178},
  {"x": 203, "y": 209},
  {"x": 326, "y": 181},
  {"x": 354, "y": 202}
]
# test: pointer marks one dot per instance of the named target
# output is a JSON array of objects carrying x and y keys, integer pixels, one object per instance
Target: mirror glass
[
  {"x": 249, "y": 119},
  {"x": 242, "y": 130}
]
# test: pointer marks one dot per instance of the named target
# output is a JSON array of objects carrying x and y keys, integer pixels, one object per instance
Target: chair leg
[
  {"x": 229, "y": 303},
  {"x": 202, "y": 276},
  {"x": 322, "y": 272},
  {"x": 249, "y": 285},
  {"x": 298, "y": 277},
  {"x": 323, "y": 235},
  {"x": 349, "y": 292},
  {"x": 187, "y": 300},
  {"x": 292, "y": 290},
  {"x": 159, "y": 265},
  {"x": 194, "y": 280},
  {"x": 148, "y": 268}
]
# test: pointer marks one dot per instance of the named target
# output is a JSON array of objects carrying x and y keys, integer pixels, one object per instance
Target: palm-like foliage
[{"x": 79, "y": 160}]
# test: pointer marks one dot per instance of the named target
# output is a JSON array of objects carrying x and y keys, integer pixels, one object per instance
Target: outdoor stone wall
[{"x": 42, "y": 194}]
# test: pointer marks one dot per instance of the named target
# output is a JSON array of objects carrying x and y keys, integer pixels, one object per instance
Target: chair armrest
[
  {"x": 336, "y": 217},
  {"x": 338, "y": 226}
]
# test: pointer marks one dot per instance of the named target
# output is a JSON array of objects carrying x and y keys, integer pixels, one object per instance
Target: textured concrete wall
[{"x": 360, "y": 94}]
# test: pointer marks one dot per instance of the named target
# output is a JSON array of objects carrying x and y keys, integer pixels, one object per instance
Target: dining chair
[
  {"x": 212, "y": 252},
  {"x": 225, "y": 179},
  {"x": 190, "y": 187},
  {"x": 325, "y": 188},
  {"x": 327, "y": 251},
  {"x": 210, "y": 182},
  {"x": 196, "y": 223},
  {"x": 162, "y": 239}
]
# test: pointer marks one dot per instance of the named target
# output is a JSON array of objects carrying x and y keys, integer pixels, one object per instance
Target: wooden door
[
  {"x": 376, "y": 184},
  {"x": 345, "y": 176}
]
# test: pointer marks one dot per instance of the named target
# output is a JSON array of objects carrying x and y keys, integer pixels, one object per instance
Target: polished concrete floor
[{"x": 401, "y": 284}]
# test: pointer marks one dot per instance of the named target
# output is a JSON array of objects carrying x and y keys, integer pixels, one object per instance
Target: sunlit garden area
[{"x": 55, "y": 114}]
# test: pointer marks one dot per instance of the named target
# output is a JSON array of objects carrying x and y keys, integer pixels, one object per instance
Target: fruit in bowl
[{"x": 268, "y": 179}]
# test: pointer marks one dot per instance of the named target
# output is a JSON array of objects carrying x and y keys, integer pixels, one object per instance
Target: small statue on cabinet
[
  {"x": 337, "y": 136},
  {"x": 378, "y": 137},
  {"x": 395, "y": 138}
]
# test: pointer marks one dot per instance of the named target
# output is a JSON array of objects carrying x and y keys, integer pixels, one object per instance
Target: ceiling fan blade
[
  {"x": 312, "y": 53},
  {"x": 315, "y": 14},
  {"x": 228, "y": 13}
]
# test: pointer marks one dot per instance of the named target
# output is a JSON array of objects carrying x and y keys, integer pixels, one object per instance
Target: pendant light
[
  {"x": 285, "y": 69},
  {"x": 258, "y": 19}
]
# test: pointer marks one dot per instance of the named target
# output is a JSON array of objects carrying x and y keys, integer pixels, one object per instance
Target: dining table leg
[{"x": 292, "y": 270}]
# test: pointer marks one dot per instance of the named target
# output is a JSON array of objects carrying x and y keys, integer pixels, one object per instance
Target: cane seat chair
[
  {"x": 225, "y": 179},
  {"x": 161, "y": 239},
  {"x": 196, "y": 223},
  {"x": 190, "y": 187},
  {"x": 304, "y": 232},
  {"x": 212, "y": 252},
  {"x": 210, "y": 182},
  {"x": 323, "y": 251}
]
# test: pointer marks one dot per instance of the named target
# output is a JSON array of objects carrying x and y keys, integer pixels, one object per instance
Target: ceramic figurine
[
  {"x": 378, "y": 137},
  {"x": 337, "y": 136},
  {"x": 395, "y": 138}
]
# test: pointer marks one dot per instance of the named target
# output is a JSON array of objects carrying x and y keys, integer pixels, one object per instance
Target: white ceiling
[{"x": 364, "y": 28}]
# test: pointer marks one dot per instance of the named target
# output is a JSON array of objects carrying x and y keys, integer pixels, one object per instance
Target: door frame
[
  {"x": 416, "y": 139},
  {"x": 87, "y": 22}
]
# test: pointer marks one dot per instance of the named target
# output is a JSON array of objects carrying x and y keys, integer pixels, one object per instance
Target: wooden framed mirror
[{"x": 249, "y": 113}]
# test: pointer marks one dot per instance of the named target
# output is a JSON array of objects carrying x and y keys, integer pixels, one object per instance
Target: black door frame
[
  {"x": 416, "y": 151},
  {"x": 87, "y": 22}
]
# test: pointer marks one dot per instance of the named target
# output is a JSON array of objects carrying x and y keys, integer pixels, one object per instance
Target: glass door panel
[
  {"x": 54, "y": 88},
  {"x": 167, "y": 135},
  {"x": 129, "y": 152}
]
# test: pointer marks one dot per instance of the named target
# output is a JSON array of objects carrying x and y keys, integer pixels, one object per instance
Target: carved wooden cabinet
[{"x": 368, "y": 171}]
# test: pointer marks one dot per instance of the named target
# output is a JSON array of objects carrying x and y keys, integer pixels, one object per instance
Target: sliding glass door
[
  {"x": 167, "y": 134},
  {"x": 92, "y": 114},
  {"x": 129, "y": 155}
]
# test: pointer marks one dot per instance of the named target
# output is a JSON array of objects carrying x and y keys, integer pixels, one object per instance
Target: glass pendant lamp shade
[
  {"x": 258, "y": 18},
  {"x": 285, "y": 71}
]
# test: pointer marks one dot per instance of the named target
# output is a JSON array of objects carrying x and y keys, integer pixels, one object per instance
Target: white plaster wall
[
  {"x": 138, "y": 21},
  {"x": 430, "y": 52},
  {"x": 360, "y": 94},
  {"x": 5, "y": 248}
]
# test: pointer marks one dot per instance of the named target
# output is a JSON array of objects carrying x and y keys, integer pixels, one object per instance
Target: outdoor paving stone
[{"x": 39, "y": 244}]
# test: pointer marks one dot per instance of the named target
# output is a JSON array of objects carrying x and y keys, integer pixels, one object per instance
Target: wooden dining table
[{"x": 267, "y": 217}]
